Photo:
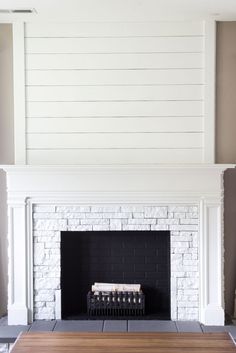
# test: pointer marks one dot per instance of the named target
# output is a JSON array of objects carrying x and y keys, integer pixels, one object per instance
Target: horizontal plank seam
[
  {"x": 124, "y": 36},
  {"x": 114, "y": 52},
  {"x": 123, "y": 69},
  {"x": 116, "y": 100},
  {"x": 122, "y": 53},
  {"x": 116, "y": 148},
  {"x": 115, "y": 85},
  {"x": 114, "y": 132},
  {"x": 117, "y": 116}
]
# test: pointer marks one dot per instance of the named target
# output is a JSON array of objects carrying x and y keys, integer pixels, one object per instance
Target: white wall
[
  {"x": 115, "y": 92},
  {"x": 6, "y": 148}
]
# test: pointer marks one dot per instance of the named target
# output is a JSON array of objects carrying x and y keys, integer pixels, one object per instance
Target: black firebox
[{"x": 141, "y": 257}]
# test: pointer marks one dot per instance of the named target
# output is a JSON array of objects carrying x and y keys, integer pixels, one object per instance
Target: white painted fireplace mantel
[{"x": 201, "y": 185}]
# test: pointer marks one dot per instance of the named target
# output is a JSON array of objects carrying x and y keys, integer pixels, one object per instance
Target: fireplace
[
  {"x": 136, "y": 257},
  {"x": 183, "y": 200},
  {"x": 181, "y": 221}
]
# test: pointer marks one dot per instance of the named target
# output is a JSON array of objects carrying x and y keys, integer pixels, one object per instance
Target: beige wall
[
  {"x": 230, "y": 238},
  {"x": 226, "y": 93},
  {"x": 6, "y": 148},
  {"x": 226, "y": 145}
]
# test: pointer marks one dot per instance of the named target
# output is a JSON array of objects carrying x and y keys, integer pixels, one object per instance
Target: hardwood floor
[{"x": 71, "y": 342}]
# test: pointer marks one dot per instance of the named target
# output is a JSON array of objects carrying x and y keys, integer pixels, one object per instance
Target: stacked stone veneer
[{"x": 182, "y": 221}]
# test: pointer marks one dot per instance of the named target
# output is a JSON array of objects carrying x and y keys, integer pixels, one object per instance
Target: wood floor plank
[
  {"x": 96, "y": 335},
  {"x": 127, "y": 343},
  {"x": 121, "y": 350},
  {"x": 52, "y": 342}
]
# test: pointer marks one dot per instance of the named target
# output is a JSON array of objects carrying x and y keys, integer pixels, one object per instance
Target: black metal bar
[{"x": 116, "y": 303}]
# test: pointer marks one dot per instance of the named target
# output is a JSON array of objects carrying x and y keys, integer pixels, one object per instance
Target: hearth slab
[
  {"x": 8, "y": 334},
  {"x": 213, "y": 328},
  {"x": 115, "y": 326},
  {"x": 232, "y": 330},
  {"x": 188, "y": 326},
  {"x": 42, "y": 325},
  {"x": 151, "y": 326},
  {"x": 79, "y": 325},
  {"x": 229, "y": 328},
  {"x": 3, "y": 321}
]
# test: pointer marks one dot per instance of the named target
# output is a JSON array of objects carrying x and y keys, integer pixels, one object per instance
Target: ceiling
[{"x": 122, "y": 10}]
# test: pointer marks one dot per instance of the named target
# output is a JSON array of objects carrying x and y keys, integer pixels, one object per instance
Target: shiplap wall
[{"x": 100, "y": 93}]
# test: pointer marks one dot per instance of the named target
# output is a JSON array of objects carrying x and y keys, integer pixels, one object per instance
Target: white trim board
[{"x": 19, "y": 92}]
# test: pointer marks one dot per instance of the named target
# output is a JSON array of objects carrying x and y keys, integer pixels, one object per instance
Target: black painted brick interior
[{"x": 119, "y": 257}]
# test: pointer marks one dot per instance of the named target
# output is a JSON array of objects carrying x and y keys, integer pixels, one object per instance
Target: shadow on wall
[
  {"x": 230, "y": 238},
  {"x": 3, "y": 244},
  {"x": 6, "y": 147}
]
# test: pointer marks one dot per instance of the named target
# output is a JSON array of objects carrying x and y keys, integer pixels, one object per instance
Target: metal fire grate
[{"x": 116, "y": 303}]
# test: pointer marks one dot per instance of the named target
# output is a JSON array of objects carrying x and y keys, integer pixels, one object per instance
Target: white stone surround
[
  {"x": 182, "y": 221},
  {"x": 164, "y": 186}
]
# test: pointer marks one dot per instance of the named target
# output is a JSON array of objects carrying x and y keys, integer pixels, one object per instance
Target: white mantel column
[
  {"x": 211, "y": 263},
  {"x": 17, "y": 252}
]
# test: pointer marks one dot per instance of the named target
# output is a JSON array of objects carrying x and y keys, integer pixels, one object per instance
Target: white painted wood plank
[
  {"x": 137, "y": 85},
  {"x": 114, "y": 77},
  {"x": 137, "y": 108},
  {"x": 114, "y": 93},
  {"x": 210, "y": 76},
  {"x": 114, "y": 29},
  {"x": 114, "y": 45},
  {"x": 114, "y": 61},
  {"x": 19, "y": 92},
  {"x": 112, "y": 156},
  {"x": 72, "y": 125},
  {"x": 115, "y": 140}
]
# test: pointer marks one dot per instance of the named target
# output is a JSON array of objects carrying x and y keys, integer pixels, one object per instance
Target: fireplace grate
[{"x": 116, "y": 303}]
